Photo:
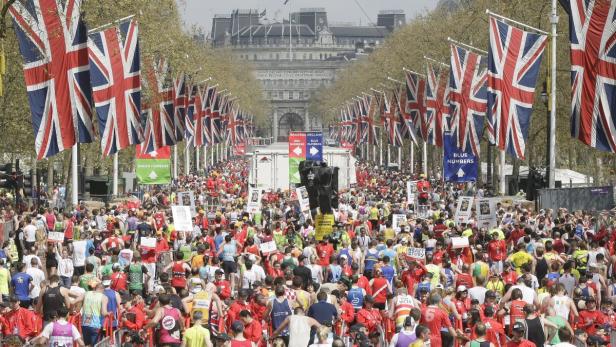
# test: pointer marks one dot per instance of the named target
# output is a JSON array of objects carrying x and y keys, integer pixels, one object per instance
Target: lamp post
[{"x": 545, "y": 98}]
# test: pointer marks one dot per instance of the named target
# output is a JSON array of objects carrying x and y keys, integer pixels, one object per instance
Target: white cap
[{"x": 461, "y": 288}]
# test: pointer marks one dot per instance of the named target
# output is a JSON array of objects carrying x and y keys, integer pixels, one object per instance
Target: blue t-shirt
[{"x": 21, "y": 282}]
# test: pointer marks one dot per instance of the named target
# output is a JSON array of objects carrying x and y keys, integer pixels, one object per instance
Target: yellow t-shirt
[
  {"x": 435, "y": 270},
  {"x": 417, "y": 343},
  {"x": 196, "y": 336},
  {"x": 374, "y": 213},
  {"x": 4, "y": 281},
  {"x": 520, "y": 258},
  {"x": 389, "y": 234}
]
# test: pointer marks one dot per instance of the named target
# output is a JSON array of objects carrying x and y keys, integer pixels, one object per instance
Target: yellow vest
[{"x": 202, "y": 302}]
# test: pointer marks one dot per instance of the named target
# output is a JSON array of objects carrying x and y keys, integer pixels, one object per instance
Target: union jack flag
[
  {"x": 180, "y": 104},
  {"x": 189, "y": 124},
  {"x": 392, "y": 121},
  {"x": 235, "y": 126},
  {"x": 592, "y": 34},
  {"x": 415, "y": 105},
  {"x": 467, "y": 93},
  {"x": 216, "y": 121},
  {"x": 514, "y": 59},
  {"x": 409, "y": 125},
  {"x": 368, "y": 128},
  {"x": 53, "y": 43},
  {"x": 159, "y": 129},
  {"x": 199, "y": 138},
  {"x": 437, "y": 105},
  {"x": 115, "y": 76}
]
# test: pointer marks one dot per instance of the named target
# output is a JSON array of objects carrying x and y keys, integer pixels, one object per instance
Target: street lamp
[{"x": 545, "y": 97}]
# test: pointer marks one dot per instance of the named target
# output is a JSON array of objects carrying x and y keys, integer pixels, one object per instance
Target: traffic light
[
  {"x": 26, "y": 182},
  {"x": 7, "y": 179},
  {"x": 321, "y": 182},
  {"x": 309, "y": 177}
]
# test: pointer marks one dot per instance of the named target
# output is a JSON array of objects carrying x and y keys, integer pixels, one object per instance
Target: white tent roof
[{"x": 566, "y": 176}]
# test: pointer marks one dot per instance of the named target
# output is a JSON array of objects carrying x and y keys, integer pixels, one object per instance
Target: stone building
[{"x": 297, "y": 57}]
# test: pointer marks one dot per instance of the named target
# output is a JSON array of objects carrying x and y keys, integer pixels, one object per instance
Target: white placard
[
  {"x": 268, "y": 247},
  {"x": 459, "y": 242},
  {"x": 416, "y": 253},
  {"x": 486, "y": 212},
  {"x": 397, "y": 220},
  {"x": 302, "y": 197},
  {"x": 187, "y": 199},
  {"x": 464, "y": 209},
  {"x": 55, "y": 236},
  {"x": 182, "y": 218},
  {"x": 411, "y": 192},
  {"x": 148, "y": 242},
  {"x": 254, "y": 201},
  {"x": 79, "y": 253},
  {"x": 125, "y": 257}
]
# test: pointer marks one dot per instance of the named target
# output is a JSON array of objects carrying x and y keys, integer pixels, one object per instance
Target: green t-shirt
[
  {"x": 84, "y": 281},
  {"x": 560, "y": 323}
]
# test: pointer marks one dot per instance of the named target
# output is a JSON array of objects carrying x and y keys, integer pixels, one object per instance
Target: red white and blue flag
[
  {"x": 53, "y": 43},
  {"x": 216, "y": 118},
  {"x": 392, "y": 121},
  {"x": 592, "y": 32},
  {"x": 189, "y": 123},
  {"x": 159, "y": 128},
  {"x": 514, "y": 59},
  {"x": 116, "y": 83},
  {"x": 198, "y": 115},
  {"x": 468, "y": 97},
  {"x": 437, "y": 105},
  {"x": 180, "y": 105},
  {"x": 415, "y": 106}
]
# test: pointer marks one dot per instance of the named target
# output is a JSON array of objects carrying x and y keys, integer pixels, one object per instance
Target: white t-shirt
[
  {"x": 27, "y": 260},
  {"x": 30, "y": 233},
  {"x": 38, "y": 276},
  {"x": 478, "y": 293}
]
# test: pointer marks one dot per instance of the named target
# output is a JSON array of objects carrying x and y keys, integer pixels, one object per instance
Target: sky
[{"x": 200, "y": 12}]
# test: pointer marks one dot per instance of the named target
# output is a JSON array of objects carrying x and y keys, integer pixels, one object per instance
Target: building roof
[
  {"x": 277, "y": 29},
  {"x": 357, "y": 31}
]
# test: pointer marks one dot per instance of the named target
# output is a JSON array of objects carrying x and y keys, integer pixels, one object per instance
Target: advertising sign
[{"x": 297, "y": 154}]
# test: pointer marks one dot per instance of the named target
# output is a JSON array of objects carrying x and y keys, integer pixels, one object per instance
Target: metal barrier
[
  {"x": 587, "y": 198},
  {"x": 116, "y": 341}
]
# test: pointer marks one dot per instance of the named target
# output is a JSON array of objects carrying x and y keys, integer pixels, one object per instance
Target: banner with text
[
  {"x": 458, "y": 165},
  {"x": 464, "y": 209},
  {"x": 154, "y": 167}
]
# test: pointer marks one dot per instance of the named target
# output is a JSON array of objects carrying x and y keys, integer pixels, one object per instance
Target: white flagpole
[
  {"x": 187, "y": 159},
  {"x": 205, "y": 157},
  {"x": 115, "y": 174},
  {"x": 374, "y": 153},
  {"x": 388, "y": 155},
  {"x": 399, "y": 158},
  {"x": 197, "y": 158},
  {"x": 218, "y": 152},
  {"x": 425, "y": 158},
  {"x": 381, "y": 151},
  {"x": 502, "y": 173},
  {"x": 75, "y": 178},
  {"x": 175, "y": 161},
  {"x": 412, "y": 157},
  {"x": 552, "y": 164},
  {"x": 211, "y": 155}
]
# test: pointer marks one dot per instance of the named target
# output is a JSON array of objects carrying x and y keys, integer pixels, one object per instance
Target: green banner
[
  {"x": 154, "y": 171},
  {"x": 294, "y": 170}
]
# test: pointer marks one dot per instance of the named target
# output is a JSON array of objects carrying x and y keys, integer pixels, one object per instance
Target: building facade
[{"x": 297, "y": 57}]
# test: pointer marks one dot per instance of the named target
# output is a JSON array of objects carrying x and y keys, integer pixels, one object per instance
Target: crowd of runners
[{"x": 537, "y": 278}]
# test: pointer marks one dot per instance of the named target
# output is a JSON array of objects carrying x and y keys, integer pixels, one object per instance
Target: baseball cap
[
  {"x": 461, "y": 288},
  {"x": 107, "y": 283},
  {"x": 490, "y": 294},
  {"x": 519, "y": 326}
]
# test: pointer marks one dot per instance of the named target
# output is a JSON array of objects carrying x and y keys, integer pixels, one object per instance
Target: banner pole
[
  {"x": 75, "y": 178},
  {"x": 502, "y": 173},
  {"x": 115, "y": 174},
  {"x": 552, "y": 164}
]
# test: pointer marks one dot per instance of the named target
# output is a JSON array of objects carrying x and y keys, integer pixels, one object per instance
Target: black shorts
[{"x": 230, "y": 267}]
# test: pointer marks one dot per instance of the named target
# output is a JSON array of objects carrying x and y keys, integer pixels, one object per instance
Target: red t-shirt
[
  {"x": 435, "y": 319},
  {"x": 523, "y": 343},
  {"x": 119, "y": 281},
  {"x": 380, "y": 289},
  {"x": 497, "y": 250},
  {"x": 325, "y": 252},
  {"x": 159, "y": 219}
]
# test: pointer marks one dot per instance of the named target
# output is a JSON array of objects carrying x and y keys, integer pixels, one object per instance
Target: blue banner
[
  {"x": 458, "y": 165},
  {"x": 314, "y": 146}
]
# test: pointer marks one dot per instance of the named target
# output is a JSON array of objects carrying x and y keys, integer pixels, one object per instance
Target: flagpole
[
  {"x": 412, "y": 157},
  {"x": 187, "y": 159},
  {"x": 502, "y": 173},
  {"x": 115, "y": 174},
  {"x": 197, "y": 158},
  {"x": 399, "y": 158},
  {"x": 490, "y": 13},
  {"x": 466, "y": 46},
  {"x": 217, "y": 152},
  {"x": 175, "y": 161},
  {"x": 211, "y": 156},
  {"x": 75, "y": 178},
  {"x": 381, "y": 151},
  {"x": 552, "y": 164},
  {"x": 424, "y": 158},
  {"x": 388, "y": 155},
  {"x": 204, "y": 157}
]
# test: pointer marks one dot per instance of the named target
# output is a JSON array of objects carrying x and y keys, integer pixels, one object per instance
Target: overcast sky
[{"x": 200, "y": 12}]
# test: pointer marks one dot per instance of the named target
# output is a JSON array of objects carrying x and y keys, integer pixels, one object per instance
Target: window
[
  {"x": 255, "y": 57},
  {"x": 310, "y": 56},
  {"x": 291, "y": 95},
  {"x": 277, "y": 56},
  {"x": 281, "y": 95}
]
